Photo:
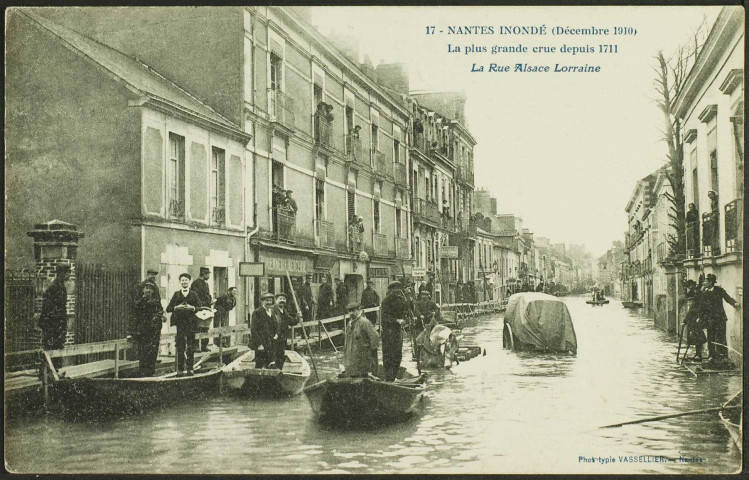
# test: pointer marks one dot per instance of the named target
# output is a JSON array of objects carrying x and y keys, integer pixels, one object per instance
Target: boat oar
[
  {"x": 672, "y": 415},
  {"x": 304, "y": 333}
]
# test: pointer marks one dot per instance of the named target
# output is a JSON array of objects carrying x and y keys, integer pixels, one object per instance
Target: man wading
[{"x": 394, "y": 310}]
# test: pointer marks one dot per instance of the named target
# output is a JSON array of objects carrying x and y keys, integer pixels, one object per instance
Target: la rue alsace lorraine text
[{"x": 529, "y": 68}]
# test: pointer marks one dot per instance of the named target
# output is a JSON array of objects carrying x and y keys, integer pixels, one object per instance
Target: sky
[{"x": 561, "y": 150}]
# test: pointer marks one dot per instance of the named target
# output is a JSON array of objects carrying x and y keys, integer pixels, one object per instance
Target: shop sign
[
  {"x": 448, "y": 252},
  {"x": 419, "y": 272},
  {"x": 280, "y": 264},
  {"x": 251, "y": 269},
  {"x": 376, "y": 272}
]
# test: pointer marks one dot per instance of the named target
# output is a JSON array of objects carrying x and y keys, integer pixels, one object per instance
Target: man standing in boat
[
  {"x": 362, "y": 342},
  {"x": 53, "y": 320},
  {"x": 283, "y": 319},
  {"x": 262, "y": 331},
  {"x": 394, "y": 310},
  {"x": 426, "y": 309},
  {"x": 203, "y": 291},
  {"x": 307, "y": 302},
  {"x": 146, "y": 327},
  {"x": 369, "y": 299},
  {"x": 182, "y": 306},
  {"x": 715, "y": 317}
]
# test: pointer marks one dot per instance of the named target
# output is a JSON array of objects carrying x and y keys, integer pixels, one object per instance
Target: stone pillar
[{"x": 56, "y": 243}]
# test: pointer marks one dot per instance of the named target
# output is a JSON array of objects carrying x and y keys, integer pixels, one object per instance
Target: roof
[{"x": 136, "y": 74}]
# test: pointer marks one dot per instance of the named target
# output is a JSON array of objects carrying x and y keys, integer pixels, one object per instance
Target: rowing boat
[
  {"x": 242, "y": 375},
  {"x": 116, "y": 397},
  {"x": 597, "y": 302},
  {"x": 733, "y": 419},
  {"x": 365, "y": 400}
]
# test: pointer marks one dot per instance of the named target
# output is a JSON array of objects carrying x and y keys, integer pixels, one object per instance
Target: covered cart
[{"x": 538, "y": 322}]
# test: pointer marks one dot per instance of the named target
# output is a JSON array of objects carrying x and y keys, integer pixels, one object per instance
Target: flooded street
[{"x": 505, "y": 412}]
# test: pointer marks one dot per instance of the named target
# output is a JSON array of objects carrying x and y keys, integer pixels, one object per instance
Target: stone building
[{"x": 711, "y": 110}]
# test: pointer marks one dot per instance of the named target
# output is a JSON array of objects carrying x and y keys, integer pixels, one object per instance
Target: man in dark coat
[
  {"x": 53, "y": 319},
  {"x": 182, "y": 306},
  {"x": 283, "y": 319},
  {"x": 148, "y": 315},
  {"x": 369, "y": 299},
  {"x": 203, "y": 291},
  {"x": 307, "y": 302},
  {"x": 262, "y": 331},
  {"x": 427, "y": 310},
  {"x": 394, "y": 310},
  {"x": 711, "y": 311},
  {"x": 341, "y": 296},
  {"x": 224, "y": 304},
  {"x": 325, "y": 300},
  {"x": 694, "y": 324}
]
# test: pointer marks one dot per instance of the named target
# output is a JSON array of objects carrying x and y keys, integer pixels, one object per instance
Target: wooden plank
[
  {"x": 50, "y": 365},
  {"x": 87, "y": 348},
  {"x": 97, "y": 368}
]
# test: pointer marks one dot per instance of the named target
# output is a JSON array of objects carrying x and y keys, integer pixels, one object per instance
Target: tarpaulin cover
[{"x": 542, "y": 321}]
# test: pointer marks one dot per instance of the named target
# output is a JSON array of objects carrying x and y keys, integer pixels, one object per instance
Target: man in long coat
[
  {"x": 262, "y": 331},
  {"x": 426, "y": 310},
  {"x": 307, "y": 302},
  {"x": 224, "y": 304},
  {"x": 362, "y": 342},
  {"x": 203, "y": 291},
  {"x": 394, "y": 310},
  {"x": 148, "y": 316},
  {"x": 53, "y": 319},
  {"x": 369, "y": 299},
  {"x": 325, "y": 300},
  {"x": 341, "y": 296},
  {"x": 711, "y": 311},
  {"x": 283, "y": 319},
  {"x": 182, "y": 306}
]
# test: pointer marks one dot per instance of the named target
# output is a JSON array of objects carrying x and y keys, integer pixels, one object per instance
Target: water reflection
[{"x": 506, "y": 412}]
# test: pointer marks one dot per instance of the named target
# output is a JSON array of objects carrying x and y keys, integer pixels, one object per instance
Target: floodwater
[{"x": 505, "y": 412}]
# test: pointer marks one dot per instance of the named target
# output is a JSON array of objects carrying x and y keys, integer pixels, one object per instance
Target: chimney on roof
[{"x": 392, "y": 76}]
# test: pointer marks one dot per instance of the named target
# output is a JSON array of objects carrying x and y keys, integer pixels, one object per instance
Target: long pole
[
  {"x": 681, "y": 336},
  {"x": 672, "y": 415},
  {"x": 309, "y": 349}
]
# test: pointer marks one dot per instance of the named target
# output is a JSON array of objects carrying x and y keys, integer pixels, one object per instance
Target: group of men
[
  {"x": 269, "y": 330},
  {"x": 706, "y": 312},
  {"x": 192, "y": 297}
]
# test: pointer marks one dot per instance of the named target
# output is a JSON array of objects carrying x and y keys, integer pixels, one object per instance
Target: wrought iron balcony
[
  {"x": 177, "y": 209},
  {"x": 353, "y": 148},
  {"x": 380, "y": 165},
  {"x": 448, "y": 223},
  {"x": 285, "y": 227},
  {"x": 420, "y": 142},
  {"x": 732, "y": 226},
  {"x": 661, "y": 252},
  {"x": 711, "y": 234},
  {"x": 281, "y": 108},
  {"x": 355, "y": 240},
  {"x": 400, "y": 174},
  {"x": 218, "y": 216},
  {"x": 692, "y": 231},
  {"x": 322, "y": 130},
  {"x": 380, "y": 244},
  {"x": 426, "y": 210},
  {"x": 325, "y": 234}
]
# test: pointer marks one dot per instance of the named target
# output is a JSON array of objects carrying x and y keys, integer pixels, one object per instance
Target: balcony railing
[
  {"x": 285, "y": 225},
  {"x": 661, "y": 252},
  {"x": 281, "y": 108},
  {"x": 711, "y": 234},
  {"x": 380, "y": 244},
  {"x": 448, "y": 223},
  {"x": 420, "y": 141},
  {"x": 380, "y": 165},
  {"x": 322, "y": 130},
  {"x": 176, "y": 209},
  {"x": 426, "y": 210},
  {"x": 439, "y": 150},
  {"x": 693, "y": 239},
  {"x": 353, "y": 148},
  {"x": 401, "y": 248},
  {"x": 325, "y": 234},
  {"x": 732, "y": 226},
  {"x": 400, "y": 174},
  {"x": 355, "y": 240},
  {"x": 218, "y": 215}
]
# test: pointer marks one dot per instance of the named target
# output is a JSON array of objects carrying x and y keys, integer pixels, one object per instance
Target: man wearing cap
[
  {"x": 341, "y": 296},
  {"x": 362, "y": 342},
  {"x": 182, "y": 306},
  {"x": 369, "y": 299},
  {"x": 262, "y": 331},
  {"x": 325, "y": 299},
  {"x": 306, "y": 299},
  {"x": 203, "y": 291},
  {"x": 283, "y": 319},
  {"x": 712, "y": 312},
  {"x": 148, "y": 315},
  {"x": 53, "y": 319},
  {"x": 394, "y": 310},
  {"x": 427, "y": 310}
]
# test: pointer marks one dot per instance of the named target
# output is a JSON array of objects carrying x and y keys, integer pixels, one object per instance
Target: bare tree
[{"x": 671, "y": 76}]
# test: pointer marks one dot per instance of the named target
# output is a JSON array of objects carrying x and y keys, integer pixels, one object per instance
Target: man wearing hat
[
  {"x": 325, "y": 299},
  {"x": 182, "y": 306},
  {"x": 290, "y": 202},
  {"x": 394, "y": 310},
  {"x": 283, "y": 319},
  {"x": 362, "y": 342},
  {"x": 306, "y": 299},
  {"x": 341, "y": 296},
  {"x": 148, "y": 315},
  {"x": 369, "y": 299},
  {"x": 711, "y": 311},
  {"x": 427, "y": 310},
  {"x": 203, "y": 291},
  {"x": 262, "y": 331},
  {"x": 53, "y": 319},
  {"x": 224, "y": 304}
]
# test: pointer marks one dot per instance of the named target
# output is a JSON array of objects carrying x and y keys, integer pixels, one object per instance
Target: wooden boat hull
[
  {"x": 364, "y": 400},
  {"x": 598, "y": 302},
  {"x": 632, "y": 305},
  {"x": 114, "y": 397},
  {"x": 242, "y": 375}
]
